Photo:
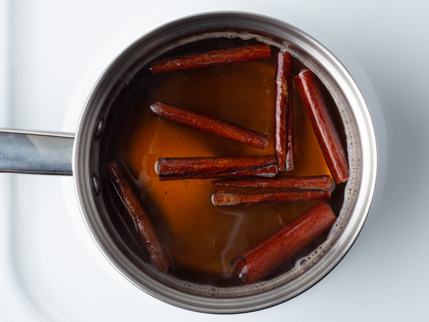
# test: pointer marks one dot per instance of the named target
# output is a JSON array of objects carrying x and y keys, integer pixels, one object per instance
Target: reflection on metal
[{"x": 37, "y": 153}]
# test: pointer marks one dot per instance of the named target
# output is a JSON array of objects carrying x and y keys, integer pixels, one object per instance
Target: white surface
[{"x": 52, "y": 52}]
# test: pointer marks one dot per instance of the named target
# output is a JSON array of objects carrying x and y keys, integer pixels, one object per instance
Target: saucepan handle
[{"x": 36, "y": 152}]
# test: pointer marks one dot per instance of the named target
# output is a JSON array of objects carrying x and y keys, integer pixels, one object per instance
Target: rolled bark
[
  {"x": 211, "y": 58},
  {"x": 209, "y": 124},
  {"x": 283, "y": 99},
  {"x": 263, "y": 258},
  {"x": 157, "y": 253},
  {"x": 293, "y": 183},
  {"x": 268, "y": 171},
  {"x": 242, "y": 199},
  {"x": 209, "y": 165},
  {"x": 323, "y": 126}
]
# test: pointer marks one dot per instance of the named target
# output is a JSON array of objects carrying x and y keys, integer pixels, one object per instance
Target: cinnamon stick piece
[
  {"x": 157, "y": 253},
  {"x": 323, "y": 125},
  {"x": 209, "y": 124},
  {"x": 324, "y": 183},
  {"x": 290, "y": 155},
  {"x": 208, "y": 165},
  {"x": 211, "y": 58},
  {"x": 242, "y": 199},
  {"x": 268, "y": 171},
  {"x": 263, "y": 258},
  {"x": 283, "y": 99}
]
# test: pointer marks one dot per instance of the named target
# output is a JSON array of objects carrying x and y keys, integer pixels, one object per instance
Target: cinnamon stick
[
  {"x": 324, "y": 183},
  {"x": 283, "y": 99},
  {"x": 157, "y": 253},
  {"x": 209, "y": 165},
  {"x": 242, "y": 199},
  {"x": 260, "y": 260},
  {"x": 290, "y": 155},
  {"x": 211, "y": 58},
  {"x": 210, "y": 124},
  {"x": 323, "y": 125},
  {"x": 268, "y": 171}
]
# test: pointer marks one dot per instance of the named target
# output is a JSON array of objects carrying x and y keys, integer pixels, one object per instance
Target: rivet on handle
[
  {"x": 96, "y": 184},
  {"x": 99, "y": 129}
]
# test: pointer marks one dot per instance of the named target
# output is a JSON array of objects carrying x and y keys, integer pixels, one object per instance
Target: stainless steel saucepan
[{"x": 78, "y": 155}]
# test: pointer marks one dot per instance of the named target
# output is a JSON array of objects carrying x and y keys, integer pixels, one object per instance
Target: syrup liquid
[{"x": 200, "y": 238}]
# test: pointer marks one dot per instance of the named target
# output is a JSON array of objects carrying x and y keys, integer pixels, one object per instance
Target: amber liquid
[{"x": 200, "y": 238}]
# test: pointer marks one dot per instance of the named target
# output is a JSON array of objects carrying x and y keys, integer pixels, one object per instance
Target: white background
[{"x": 51, "y": 53}]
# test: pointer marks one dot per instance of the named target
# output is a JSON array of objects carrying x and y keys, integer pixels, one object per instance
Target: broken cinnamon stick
[
  {"x": 260, "y": 260},
  {"x": 324, "y": 183},
  {"x": 323, "y": 125},
  {"x": 242, "y": 199},
  {"x": 210, "y": 124},
  {"x": 268, "y": 171},
  {"x": 157, "y": 253},
  {"x": 211, "y": 58},
  {"x": 209, "y": 165},
  {"x": 283, "y": 99}
]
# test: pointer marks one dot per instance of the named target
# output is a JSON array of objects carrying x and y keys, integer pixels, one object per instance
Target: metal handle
[{"x": 36, "y": 152}]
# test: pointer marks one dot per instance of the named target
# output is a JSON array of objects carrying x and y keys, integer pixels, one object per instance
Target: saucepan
[{"x": 79, "y": 155}]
